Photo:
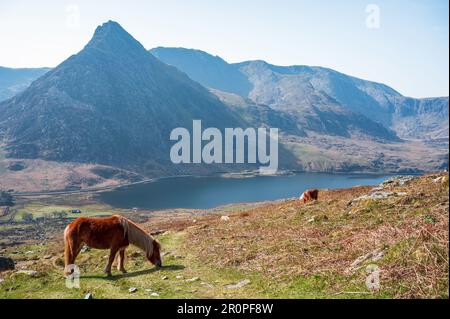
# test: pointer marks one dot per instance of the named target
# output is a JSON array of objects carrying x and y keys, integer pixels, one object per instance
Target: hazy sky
[{"x": 406, "y": 48}]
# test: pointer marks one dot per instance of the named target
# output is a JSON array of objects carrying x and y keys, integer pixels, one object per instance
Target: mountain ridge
[
  {"x": 373, "y": 100},
  {"x": 15, "y": 80}
]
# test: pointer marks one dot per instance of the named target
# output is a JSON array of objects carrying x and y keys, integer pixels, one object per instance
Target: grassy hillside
[{"x": 281, "y": 250}]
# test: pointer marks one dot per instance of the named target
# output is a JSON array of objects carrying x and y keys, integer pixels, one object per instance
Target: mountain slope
[
  {"x": 13, "y": 81},
  {"x": 112, "y": 103},
  {"x": 210, "y": 71},
  {"x": 321, "y": 249},
  {"x": 327, "y": 98}
]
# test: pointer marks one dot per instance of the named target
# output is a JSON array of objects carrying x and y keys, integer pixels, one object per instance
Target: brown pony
[
  {"x": 114, "y": 233},
  {"x": 310, "y": 195}
]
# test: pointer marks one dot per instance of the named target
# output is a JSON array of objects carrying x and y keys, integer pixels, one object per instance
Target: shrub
[
  {"x": 27, "y": 217},
  {"x": 6, "y": 198}
]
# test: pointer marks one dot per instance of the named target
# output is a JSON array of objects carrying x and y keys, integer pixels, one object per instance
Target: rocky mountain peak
[{"x": 111, "y": 37}]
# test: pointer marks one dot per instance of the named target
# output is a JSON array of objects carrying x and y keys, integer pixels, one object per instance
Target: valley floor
[{"x": 324, "y": 249}]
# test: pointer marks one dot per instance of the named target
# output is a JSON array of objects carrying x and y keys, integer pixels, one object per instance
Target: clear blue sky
[{"x": 409, "y": 51}]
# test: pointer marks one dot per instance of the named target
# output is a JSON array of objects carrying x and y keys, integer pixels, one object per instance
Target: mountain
[
  {"x": 113, "y": 103},
  {"x": 13, "y": 81},
  {"x": 210, "y": 71},
  {"x": 323, "y": 100}
]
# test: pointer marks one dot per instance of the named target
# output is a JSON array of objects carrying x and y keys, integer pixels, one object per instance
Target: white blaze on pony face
[{"x": 302, "y": 197}]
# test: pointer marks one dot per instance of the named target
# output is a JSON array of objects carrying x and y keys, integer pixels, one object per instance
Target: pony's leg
[
  {"x": 120, "y": 265},
  {"x": 112, "y": 256},
  {"x": 68, "y": 257},
  {"x": 72, "y": 248}
]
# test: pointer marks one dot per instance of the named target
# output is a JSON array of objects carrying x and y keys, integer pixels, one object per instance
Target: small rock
[
  {"x": 132, "y": 290},
  {"x": 225, "y": 218},
  {"x": 29, "y": 252},
  {"x": 437, "y": 180},
  {"x": 148, "y": 290},
  {"x": 85, "y": 249},
  {"x": 192, "y": 279},
  {"x": 179, "y": 277},
  {"x": 164, "y": 278},
  {"x": 194, "y": 220},
  {"x": 239, "y": 284},
  {"x": 154, "y": 294},
  {"x": 375, "y": 255},
  {"x": 31, "y": 273},
  {"x": 376, "y": 189},
  {"x": 207, "y": 285},
  {"x": 312, "y": 220},
  {"x": 47, "y": 257},
  {"x": 165, "y": 253},
  {"x": 88, "y": 296}
]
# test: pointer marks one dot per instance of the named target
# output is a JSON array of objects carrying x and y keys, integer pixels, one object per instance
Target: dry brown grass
[
  {"x": 39, "y": 175},
  {"x": 288, "y": 239}
]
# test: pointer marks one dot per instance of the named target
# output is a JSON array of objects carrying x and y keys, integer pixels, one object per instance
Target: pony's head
[{"x": 155, "y": 256}]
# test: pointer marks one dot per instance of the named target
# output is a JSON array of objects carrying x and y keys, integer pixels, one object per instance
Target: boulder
[
  {"x": 6, "y": 263},
  {"x": 397, "y": 181},
  {"x": 377, "y": 196}
]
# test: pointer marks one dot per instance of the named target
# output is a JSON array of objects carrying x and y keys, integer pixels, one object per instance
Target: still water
[{"x": 209, "y": 192}]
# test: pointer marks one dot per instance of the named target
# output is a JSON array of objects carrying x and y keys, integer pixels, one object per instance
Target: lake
[{"x": 209, "y": 192}]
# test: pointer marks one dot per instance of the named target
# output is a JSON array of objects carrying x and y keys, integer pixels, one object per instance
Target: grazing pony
[
  {"x": 309, "y": 195},
  {"x": 114, "y": 233}
]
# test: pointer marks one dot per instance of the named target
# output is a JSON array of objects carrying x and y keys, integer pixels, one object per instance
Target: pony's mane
[{"x": 137, "y": 236}]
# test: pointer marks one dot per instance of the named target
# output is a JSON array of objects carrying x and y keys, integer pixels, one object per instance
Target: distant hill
[
  {"x": 322, "y": 100},
  {"x": 13, "y": 81},
  {"x": 113, "y": 103}
]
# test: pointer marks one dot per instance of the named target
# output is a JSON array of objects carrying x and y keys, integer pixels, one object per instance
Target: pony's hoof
[{"x": 108, "y": 274}]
